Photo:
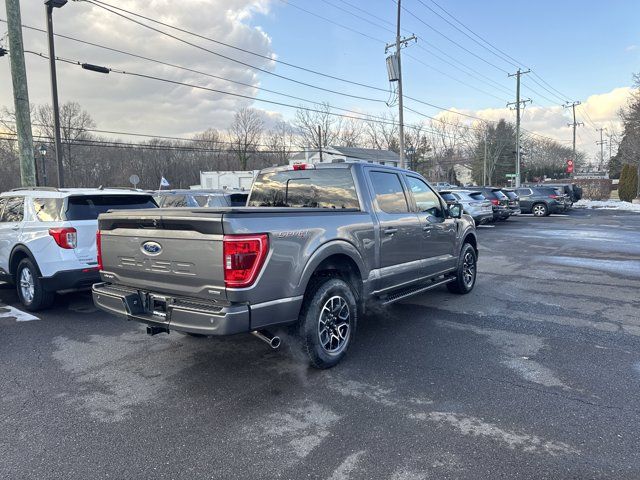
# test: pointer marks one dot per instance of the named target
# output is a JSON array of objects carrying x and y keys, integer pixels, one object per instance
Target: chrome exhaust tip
[{"x": 272, "y": 340}]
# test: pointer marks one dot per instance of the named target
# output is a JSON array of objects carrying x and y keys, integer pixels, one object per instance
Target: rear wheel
[
  {"x": 29, "y": 287},
  {"x": 466, "y": 272},
  {"x": 540, "y": 210},
  {"x": 327, "y": 321}
]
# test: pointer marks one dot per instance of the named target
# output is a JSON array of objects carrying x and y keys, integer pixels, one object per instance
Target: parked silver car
[{"x": 473, "y": 203}]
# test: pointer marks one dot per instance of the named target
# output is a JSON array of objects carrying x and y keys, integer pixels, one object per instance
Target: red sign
[{"x": 569, "y": 166}]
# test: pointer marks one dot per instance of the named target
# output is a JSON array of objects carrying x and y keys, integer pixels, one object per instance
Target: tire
[
  {"x": 30, "y": 289},
  {"x": 466, "y": 272},
  {"x": 540, "y": 210},
  {"x": 327, "y": 321}
]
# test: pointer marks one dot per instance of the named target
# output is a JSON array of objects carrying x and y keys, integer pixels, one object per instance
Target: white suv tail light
[{"x": 66, "y": 238}]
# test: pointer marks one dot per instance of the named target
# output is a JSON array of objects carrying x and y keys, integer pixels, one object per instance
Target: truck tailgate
[{"x": 169, "y": 251}]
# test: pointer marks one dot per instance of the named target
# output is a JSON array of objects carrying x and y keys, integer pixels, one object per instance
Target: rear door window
[
  {"x": 88, "y": 207},
  {"x": 175, "y": 201},
  {"x": 13, "y": 210},
  {"x": 48, "y": 209},
  {"x": 523, "y": 191},
  {"x": 477, "y": 196},
  {"x": 389, "y": 193},
  {"x": 499, "y": 195},
  {"x": 238, "y": 199}
]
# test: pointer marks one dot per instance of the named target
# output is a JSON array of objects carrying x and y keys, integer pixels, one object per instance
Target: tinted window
[
  {"x": 175, "y": 201},
  {"x": 511, "y": 195},
  {"x": 523, "y": 191},
  {"x": 389, "y": 192},
  {"x": 13, "y": 210},
  {"x": 48, "y": 209},
  {"x": 321, "y": 188},
  {"x": 88, "y": 207},
  {"x": 478, "y": 196},
  {"x": 499, "y": 195},
  {"x": 238, "y": 199},
  {"x": 449, "y": 197},
  {"x": 545, "y": 191},
  {"x": 426, "y": 199}
]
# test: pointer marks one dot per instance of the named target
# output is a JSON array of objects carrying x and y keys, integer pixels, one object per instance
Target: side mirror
[{"x": 455, "y": 210}]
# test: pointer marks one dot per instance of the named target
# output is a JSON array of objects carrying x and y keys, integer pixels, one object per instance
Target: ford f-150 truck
[{"x": 312, "y": 248}]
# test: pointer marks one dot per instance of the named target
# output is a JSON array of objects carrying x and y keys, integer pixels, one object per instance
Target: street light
[
  {"x": 49, "y": 5},
  {"x": 43, "y": 152}
]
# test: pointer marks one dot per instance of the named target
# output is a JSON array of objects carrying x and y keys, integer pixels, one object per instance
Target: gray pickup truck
[{"x": 314, "y": 245}]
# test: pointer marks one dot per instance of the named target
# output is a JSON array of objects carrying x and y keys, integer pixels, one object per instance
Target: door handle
[
  {"x": 427, "y": 228},
  {"x": 15, "y": 229},
  {"x": 390, "y": 231}
]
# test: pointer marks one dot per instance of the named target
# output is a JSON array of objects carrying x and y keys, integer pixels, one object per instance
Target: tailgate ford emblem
[{"x": 151, "y": 248}]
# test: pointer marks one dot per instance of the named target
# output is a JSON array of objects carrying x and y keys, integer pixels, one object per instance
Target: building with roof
[{"x": 333, "y": 154}]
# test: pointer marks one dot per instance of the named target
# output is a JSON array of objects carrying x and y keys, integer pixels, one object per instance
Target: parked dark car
[
  {"x": 572, "y": 190},
  {"x": 514, "y": 201},
  {"x": 541, "y": 201},
  {"x": 201, "y": 198},
  {"x": 473, "y": 203},
  {"x": 499, "y": 201}
]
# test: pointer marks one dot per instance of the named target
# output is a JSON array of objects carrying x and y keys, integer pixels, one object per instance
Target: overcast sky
[{"x": 582, "y": 51}]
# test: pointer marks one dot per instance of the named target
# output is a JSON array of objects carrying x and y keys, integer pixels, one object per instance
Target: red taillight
[
  {"x": 99, "y": 249},
  {"x": 243, "y": 258},
  {"x": 65, "y": 237},
  {"x": 553, "y": 195},
  {"x": 495, "y": 201}
]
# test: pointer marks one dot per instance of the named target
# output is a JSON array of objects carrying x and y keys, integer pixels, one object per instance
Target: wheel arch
[
  {"x": 19, "y": 253},
  {"x": 338, "y": 257}
]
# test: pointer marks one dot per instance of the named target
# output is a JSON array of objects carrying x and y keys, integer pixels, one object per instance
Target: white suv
[{"x": 48, "y": 238}]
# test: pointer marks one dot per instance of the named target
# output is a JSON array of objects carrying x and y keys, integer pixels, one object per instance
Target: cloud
[
  {"x": 631, "y": 48},
  {"x": 120, "y": 102},
  {"x": 597, "y": 111}
]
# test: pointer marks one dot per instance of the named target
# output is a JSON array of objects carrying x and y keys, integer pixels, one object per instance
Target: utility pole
[
  {"x": 602, "y": 144},
  {"x": 20, "y": 94},
  {"x": 320, "y": 141},
  {"x": 49, "y": 5},
  {"x": 397, "y": 76},
  {"x": 517, "y": 103},
  {"x": 575, "y": 124},
  {"x": 484, "y": 166}
]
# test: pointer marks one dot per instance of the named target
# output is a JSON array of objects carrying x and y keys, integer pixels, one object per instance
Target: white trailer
[{"x": 232, "y": 180}]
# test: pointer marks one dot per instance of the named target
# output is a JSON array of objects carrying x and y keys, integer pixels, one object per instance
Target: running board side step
[{"x": 409, "y": 292}]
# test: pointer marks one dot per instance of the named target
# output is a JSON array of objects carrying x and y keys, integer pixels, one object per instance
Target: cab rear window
[
  {"x": 88, "y": 207},
  {"x": 312, "y": 188}
]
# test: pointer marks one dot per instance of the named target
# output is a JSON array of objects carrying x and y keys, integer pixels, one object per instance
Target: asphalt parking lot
[{"x": 535, "y": 374}]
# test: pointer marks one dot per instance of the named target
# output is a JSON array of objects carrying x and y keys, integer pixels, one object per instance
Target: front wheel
[
  {"x": 466, "y": 271},
  {"x": 29, "y": 286},
  {"x": 327, "y": 321}
]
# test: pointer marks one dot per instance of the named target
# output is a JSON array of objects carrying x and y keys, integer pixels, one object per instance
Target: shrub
[{"x": 628, "y": 186}]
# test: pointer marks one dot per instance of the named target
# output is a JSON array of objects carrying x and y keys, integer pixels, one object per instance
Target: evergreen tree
[{"x": 628, "y": 186}]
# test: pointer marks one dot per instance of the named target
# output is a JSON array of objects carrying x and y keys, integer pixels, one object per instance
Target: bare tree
[
  {"x": 280, "y": 142},
  {"x": 245, "y": 134},
  {"x": 75, "y": 124},
  {"x": 382, "y": 132},
  {"x": 352, "y": 133},
  {"x": 307, "y": 123}
]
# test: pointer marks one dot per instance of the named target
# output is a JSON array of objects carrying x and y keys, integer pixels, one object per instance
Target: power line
[{"x": 558, "y": 94}]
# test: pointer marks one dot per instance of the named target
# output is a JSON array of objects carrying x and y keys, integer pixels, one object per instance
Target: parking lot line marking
[
  {"x": 9, "y": 312},
  {"x": 486, "y": 226}
]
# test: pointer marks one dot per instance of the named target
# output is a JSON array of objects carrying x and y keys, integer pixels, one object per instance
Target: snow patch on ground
[
  {"x": 608, "y": 204},
  {"x": 19, "y": 316}
]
